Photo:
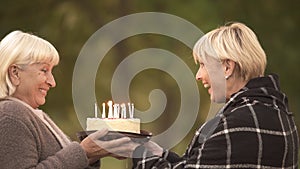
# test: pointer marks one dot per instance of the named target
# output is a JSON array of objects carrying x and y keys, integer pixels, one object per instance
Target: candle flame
[{"x": 109, "y": 103}]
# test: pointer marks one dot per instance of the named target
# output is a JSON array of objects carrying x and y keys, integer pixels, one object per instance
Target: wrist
[
  {"x": 159, "y": 152},
  {"x": 141, "y": 152}
]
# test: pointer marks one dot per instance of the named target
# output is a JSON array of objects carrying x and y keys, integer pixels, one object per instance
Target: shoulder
[
  {"x": 238, "y": 114},
  {"x": 11, "y": 106},
  {"x": 17, "y": 120},
  {"x": 14, "y": 109},
  {"x": 253, "y": 113}
]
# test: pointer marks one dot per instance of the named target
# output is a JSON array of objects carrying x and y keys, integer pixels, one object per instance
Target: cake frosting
[
  {"x": 114, "y": 124},
  {"x": 116, "y": 119}
]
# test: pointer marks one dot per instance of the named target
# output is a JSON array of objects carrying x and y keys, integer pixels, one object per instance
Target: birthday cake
[{"x": 116, "y": 120}]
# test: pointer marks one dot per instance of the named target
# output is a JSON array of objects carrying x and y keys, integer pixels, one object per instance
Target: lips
[
  {"x": 206, "y": 86},
  {"x": 43, "y": 91}
]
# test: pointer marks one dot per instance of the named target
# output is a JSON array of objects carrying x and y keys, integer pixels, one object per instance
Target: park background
[{"x": 69, "y": 24}]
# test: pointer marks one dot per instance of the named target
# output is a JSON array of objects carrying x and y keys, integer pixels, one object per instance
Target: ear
[
  {"x": 13, "y": 73},
  {"x": 229, "y": 66}
]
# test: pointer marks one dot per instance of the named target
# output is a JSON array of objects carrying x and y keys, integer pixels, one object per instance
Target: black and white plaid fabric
[{"x": 253, "y": 130}]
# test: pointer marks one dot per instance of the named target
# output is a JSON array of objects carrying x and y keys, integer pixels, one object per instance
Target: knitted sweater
[
  {"x": 254, "y": 129},
  {"x": 26, "y": 142}
]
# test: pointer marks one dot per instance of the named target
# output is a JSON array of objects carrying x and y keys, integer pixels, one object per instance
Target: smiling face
[
  {"x": 32, "y": 82},
  {"x": 229, "y": 57},
  {"x": 212, "y": 74},
  {"x": 219, "y": 78}
]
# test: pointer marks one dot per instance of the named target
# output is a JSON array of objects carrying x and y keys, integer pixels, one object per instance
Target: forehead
[
  {"x": 42, "y": 64},
  {"x": 39, "y": 65},
  {"x": 197, "y": 58}
]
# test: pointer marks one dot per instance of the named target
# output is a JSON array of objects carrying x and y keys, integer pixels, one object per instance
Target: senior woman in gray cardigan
[{"x": 29, "y": 138}]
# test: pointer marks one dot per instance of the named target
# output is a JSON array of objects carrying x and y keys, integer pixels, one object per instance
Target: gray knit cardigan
[{"x": 26, "y": 142}]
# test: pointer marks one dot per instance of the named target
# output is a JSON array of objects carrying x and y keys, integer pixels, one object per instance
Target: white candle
[
  {"x": 110, "y": 109},
  {"x": 123, "y": 111},
  {"x": 103, "y": 111},
  {"x": 96, "y": 110},
  {"x": 130, "y": 111},
  {"x": 116, "y": 111}
]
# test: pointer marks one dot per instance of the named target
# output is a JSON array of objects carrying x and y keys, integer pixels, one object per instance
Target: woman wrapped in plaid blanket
[{"x": 254, "y": 129}]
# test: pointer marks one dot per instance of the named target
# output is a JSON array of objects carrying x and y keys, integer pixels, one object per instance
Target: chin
[
  {"x": 218, "y": 99},
  {"x": 41, "y": 102}
]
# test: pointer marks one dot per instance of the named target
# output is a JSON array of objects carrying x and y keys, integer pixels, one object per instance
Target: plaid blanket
[{"x": 254, "y": 129}]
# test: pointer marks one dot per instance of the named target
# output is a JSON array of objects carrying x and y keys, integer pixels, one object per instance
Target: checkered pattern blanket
[{"x": 254, "y": 129}]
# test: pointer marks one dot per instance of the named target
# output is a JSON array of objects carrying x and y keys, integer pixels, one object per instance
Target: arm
[
  {"x": 143, "y": 158},
  {"x": 20, "y": 148},
  {"x": 210, "y": 153},
  {"x": 202, "y": 153}
]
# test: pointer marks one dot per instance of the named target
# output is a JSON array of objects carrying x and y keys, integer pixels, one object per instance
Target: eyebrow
[{"x": 42, "y": 63}]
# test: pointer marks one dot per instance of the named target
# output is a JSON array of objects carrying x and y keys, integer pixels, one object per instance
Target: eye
[
  {"x": 201, "y": 64},
  {"x": 44, "y": 70}
]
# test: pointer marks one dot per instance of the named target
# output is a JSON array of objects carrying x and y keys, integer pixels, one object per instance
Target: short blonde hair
[
  {"x": 22, "y": 49},
  {"x": 236, "y": 42}
]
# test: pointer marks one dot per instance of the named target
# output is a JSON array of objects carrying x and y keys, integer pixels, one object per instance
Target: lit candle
[
  {"x": 116, "y": 111},
  {"x": 130, "y": 110},
  {"x": 123, "y": 111},
  {"x": 103, "y": 110},
  {"x": 110, "y": 109},
  {"x": 96, "y": 110}
]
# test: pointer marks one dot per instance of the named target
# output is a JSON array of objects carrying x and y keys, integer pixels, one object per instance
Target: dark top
[{"x": 254, "y": 129}]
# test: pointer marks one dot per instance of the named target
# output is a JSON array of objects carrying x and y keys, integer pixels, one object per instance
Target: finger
[
  {"x": 120, "y": 158},
  {"x": 124, "y": 150},
  {"x": 113, "y": 143},
  {"x": 149, "y": 144},
  {"x": 98, "y": 134}
]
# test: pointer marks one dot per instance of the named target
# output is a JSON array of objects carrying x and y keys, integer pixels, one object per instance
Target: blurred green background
[{"x": 68, "y": 25}]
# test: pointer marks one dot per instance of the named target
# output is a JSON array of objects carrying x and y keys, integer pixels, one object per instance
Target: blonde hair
[
  {"x": 236, "y": 42},
  {"x": 22, "y": 49}
]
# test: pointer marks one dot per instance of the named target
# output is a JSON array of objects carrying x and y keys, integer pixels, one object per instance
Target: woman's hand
[
  {"x": 125, "y": 150},
  {"x": 154, "y": 148},
  {"x": 96, "y": 149}
]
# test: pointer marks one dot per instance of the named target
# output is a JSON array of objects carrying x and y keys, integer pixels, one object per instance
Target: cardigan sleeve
[{"x": 19, "y": 149}]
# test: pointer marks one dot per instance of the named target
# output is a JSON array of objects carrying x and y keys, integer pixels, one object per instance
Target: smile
[
  {"x": 44, "y": 91},
  {"x": 206, "y": 86}
]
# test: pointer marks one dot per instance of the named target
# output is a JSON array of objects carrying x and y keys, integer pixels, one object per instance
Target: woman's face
[
  {"x": 211, "y": 73},
  {"x": 35, "y": 80}
]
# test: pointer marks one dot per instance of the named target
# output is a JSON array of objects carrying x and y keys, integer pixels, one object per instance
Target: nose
[
  {"x": 199, "y": 75},
  {"x": 50, "y": 80}
]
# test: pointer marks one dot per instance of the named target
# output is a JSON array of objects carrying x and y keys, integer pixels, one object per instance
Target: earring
[{"x": 227, "y": 77}]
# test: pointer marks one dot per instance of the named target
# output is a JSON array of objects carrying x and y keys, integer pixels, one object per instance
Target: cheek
[
  {"x": 205, "y": 74},
  {"x": 40, "y": 77},
  {"x": 201, "y": 73}
]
